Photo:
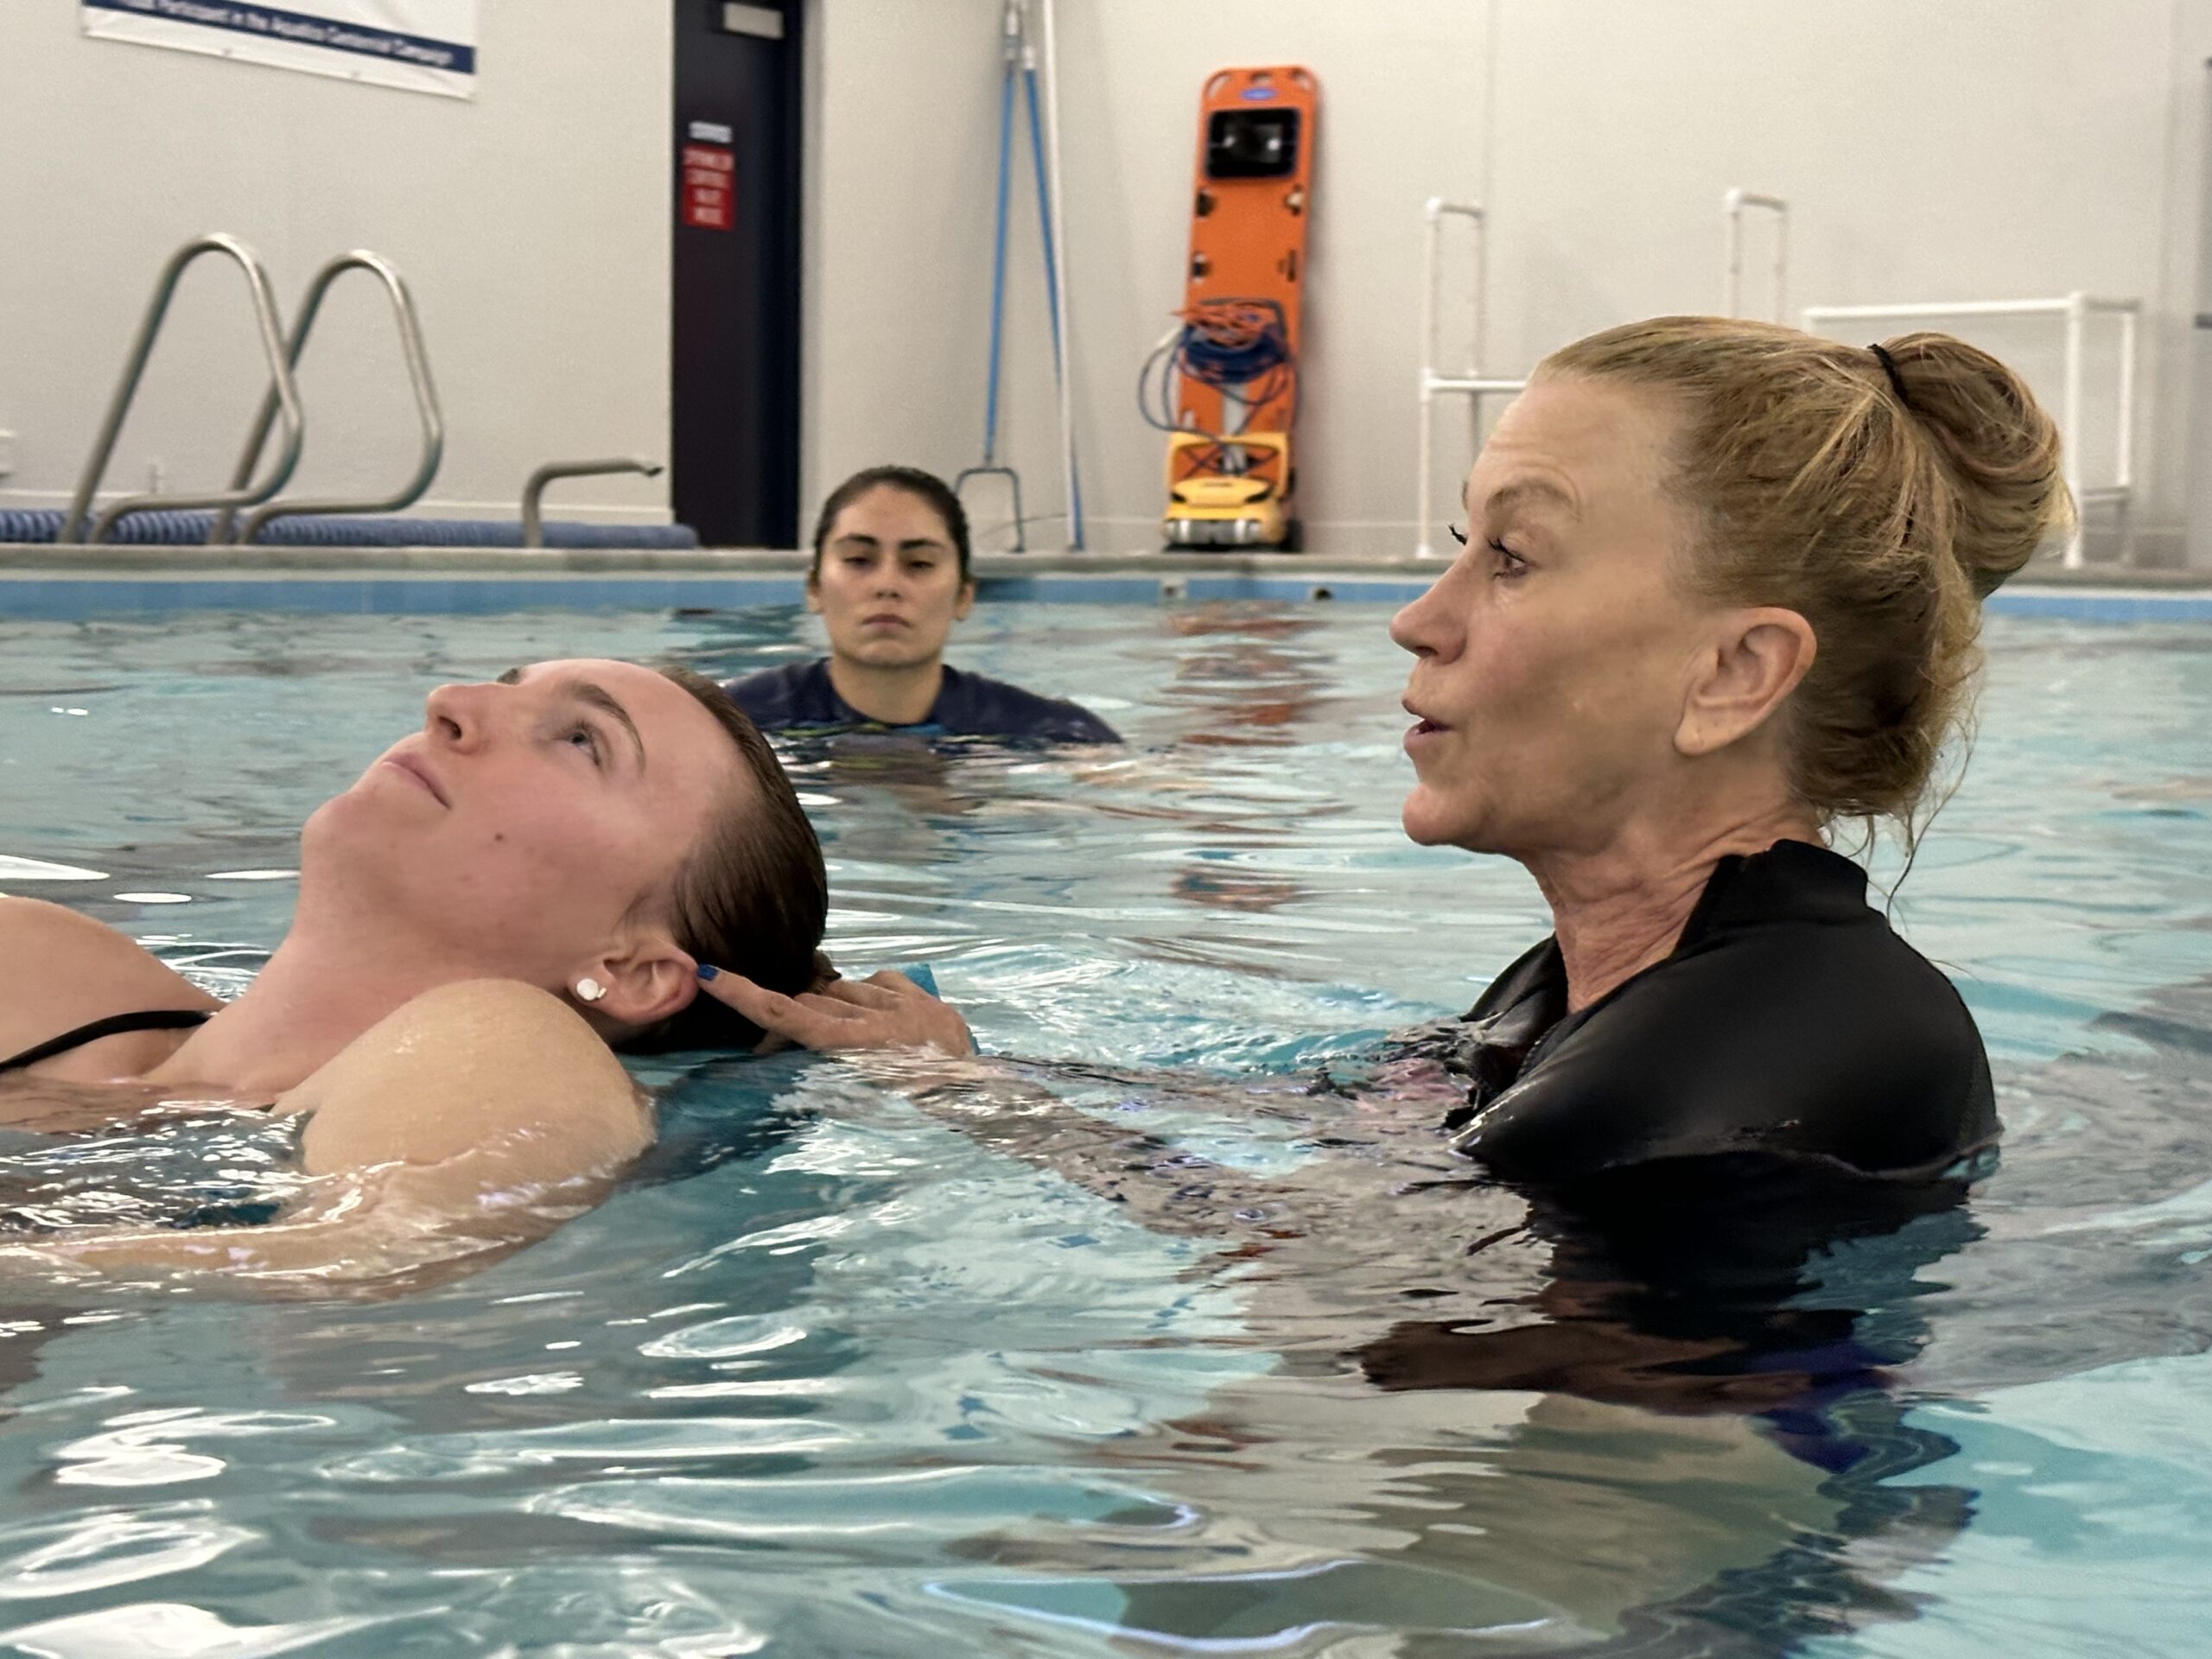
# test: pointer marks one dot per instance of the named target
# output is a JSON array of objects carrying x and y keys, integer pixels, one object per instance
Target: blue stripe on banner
[{"x": 268, "y": 23}]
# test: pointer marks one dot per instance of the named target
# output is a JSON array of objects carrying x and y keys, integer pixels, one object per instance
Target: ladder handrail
[
  {"x": 1731, "y": 279},
  {"x": 285, "y": 392},
  {"x": 410, "y": 326},
  {"x": 533, "y": 492},
  {"x": 1436, "y": 210},
  {"x": 1476, "y": 383}
]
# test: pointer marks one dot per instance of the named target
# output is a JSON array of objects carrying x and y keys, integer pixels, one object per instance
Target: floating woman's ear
[{"x": 646, "y": 984}]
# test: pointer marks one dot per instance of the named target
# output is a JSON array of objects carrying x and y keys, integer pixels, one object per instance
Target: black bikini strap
[{"x": 113, "y": 1025}]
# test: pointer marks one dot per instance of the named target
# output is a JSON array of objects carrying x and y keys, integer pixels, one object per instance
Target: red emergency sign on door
[{"x": 710, "y": 187}]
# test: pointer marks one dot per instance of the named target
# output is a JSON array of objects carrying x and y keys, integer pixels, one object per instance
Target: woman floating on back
[{"x": 507, "y": 895}]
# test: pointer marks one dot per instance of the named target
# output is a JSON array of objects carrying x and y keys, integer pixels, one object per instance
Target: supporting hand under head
[{"x": 886, "y": 1010}]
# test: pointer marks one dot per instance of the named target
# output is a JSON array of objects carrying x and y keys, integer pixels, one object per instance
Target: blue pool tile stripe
[
  {"x": 47, "y": 595},
  {"x": 2104, "y": 604},
  {"x": 2083, "y": 604}
]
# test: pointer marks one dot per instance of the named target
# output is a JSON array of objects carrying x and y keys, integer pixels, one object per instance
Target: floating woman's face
[
  {"x": 1553, "y": 656},
  {"x": 532, "y": 818}
]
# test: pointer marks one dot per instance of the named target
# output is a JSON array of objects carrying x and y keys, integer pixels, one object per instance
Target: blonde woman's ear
[{"x": 1753, "y": 667}]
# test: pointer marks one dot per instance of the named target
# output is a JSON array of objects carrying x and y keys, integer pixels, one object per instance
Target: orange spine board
[{"x": 1248, "y": 234}]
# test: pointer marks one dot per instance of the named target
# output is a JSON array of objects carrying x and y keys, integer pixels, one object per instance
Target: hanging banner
[{"x": 422, "y": 46}]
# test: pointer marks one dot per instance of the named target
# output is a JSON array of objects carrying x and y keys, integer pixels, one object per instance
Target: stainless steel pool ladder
[
  {"x": 418, "y": 378},
  {"x": 280, "y": 406},
  {"x": 284, "y": 393}
]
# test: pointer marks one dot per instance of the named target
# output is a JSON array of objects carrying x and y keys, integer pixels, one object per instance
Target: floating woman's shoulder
[
  {"x": 60, "y": 970},
  {"x": 481, "y": 1071}
]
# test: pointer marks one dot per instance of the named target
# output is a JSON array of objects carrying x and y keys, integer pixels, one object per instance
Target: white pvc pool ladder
[
  {"x": 2076, "y": 309},
  {"x": 1472, "y": 382},
  {"x": 1732, "y": 221}
]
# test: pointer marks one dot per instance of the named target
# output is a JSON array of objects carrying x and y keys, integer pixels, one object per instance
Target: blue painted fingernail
[{"x": 707, "y": 970}]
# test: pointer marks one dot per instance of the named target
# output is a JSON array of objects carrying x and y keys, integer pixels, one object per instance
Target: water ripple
[{"x": 102, "y": 1548}]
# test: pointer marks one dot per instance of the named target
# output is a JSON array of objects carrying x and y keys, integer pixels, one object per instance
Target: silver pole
[
  {"x": 533, "y": 490},
  {"x": 418, "y": 378},
  {"x": 1067, "y": 273},
  {"x": 285, "y": 395}
]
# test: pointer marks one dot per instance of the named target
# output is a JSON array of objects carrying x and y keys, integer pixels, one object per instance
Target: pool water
[{"x": 839, "y": 1373}]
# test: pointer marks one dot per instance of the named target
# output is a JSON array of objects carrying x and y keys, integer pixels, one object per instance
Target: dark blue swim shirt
[
  {"x": 799, "y": 696},
  {"x": 1740, "y": 1158}
]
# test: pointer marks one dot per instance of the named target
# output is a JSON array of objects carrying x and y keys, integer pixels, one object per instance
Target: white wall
[
  {"x": 901, "y": 141},
  {"x": 531, "y": 223},
  {"x": 1969, "y": 150},
  {"x": 898, "y": 297},
  {"x": 1973, "y": 149}
]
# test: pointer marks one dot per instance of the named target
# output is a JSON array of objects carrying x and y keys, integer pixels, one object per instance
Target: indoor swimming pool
[{"x": 840, "y": 1371}]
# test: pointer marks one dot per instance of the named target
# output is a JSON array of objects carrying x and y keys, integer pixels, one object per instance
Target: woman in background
[{"x": 889, "y": 579}]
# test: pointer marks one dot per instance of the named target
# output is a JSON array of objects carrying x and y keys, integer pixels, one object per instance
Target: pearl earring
[{"x": 589, "y": 990}]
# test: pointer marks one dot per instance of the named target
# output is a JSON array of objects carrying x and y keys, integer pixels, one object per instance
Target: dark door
[{"x": 734, "y": 155}]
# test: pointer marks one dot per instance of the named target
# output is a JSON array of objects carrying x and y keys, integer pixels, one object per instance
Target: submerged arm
[{"x": 921, "y": 1045}]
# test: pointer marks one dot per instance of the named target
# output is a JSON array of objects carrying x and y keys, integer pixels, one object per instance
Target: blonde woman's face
[{"x": 1553, "y": 657}]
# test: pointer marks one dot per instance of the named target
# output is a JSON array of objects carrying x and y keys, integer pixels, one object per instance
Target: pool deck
[{"x": 67, "y": 582}]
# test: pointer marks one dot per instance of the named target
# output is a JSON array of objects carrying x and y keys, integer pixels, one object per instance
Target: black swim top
[
  {"x": 114, "y": 1025},
  {"x": 1787, "y": 1020},
  {"x": 799, "y": 696}
]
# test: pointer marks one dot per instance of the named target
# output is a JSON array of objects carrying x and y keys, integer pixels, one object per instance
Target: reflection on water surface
[{"x": 848, "y": 1367}]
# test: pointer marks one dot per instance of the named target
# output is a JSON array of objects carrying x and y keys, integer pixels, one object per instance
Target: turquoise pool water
[{"x": 837, "y": 1375}]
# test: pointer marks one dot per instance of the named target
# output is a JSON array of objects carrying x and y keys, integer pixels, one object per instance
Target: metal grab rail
[
  {"x": 1474, "y": 384},
  {"x": 2076, "y": 309},
  {"x": 286, "y": 396},
  {"x": 418, "y": 375},
  {"x": 533, "y": 492},
  {"x": 1731, "y": 214}
]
